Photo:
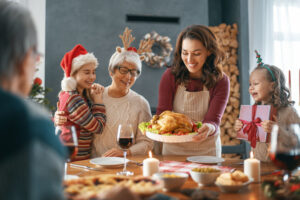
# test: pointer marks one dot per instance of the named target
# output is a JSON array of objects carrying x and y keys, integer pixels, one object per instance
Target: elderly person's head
[
  {"x": 125, "y": 65},
  {"x": 18, "y": 48},
  {"x": 124, "y": 68}
]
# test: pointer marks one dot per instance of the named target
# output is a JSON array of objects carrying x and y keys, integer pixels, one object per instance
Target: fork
[
  {"x": 85, "y": 167},
  {"x": 135, "y": 162}
]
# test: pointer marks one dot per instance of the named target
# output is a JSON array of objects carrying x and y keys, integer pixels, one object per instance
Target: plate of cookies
[
  {"x": 233, "y": 182},
  {"x": 95, "y": 187}
]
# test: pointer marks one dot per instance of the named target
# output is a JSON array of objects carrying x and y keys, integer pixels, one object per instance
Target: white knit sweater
[{"x": 132, "y": 108}]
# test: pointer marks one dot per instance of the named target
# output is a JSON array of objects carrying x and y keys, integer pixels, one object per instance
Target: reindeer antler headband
[
  {"x": 260, "y": 63},
  {"x": 127, "y": 39}
]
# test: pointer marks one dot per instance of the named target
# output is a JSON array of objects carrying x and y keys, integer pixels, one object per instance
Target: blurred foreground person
[{"x": 31, "y": 157}]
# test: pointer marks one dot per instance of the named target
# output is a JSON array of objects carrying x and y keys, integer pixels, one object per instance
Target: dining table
[{"x": 252, "y": 192}]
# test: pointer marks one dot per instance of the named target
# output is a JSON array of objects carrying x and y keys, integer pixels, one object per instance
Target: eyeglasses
[
  {"x": 38, "y": 56},
  {"x": 125, "y": 70}
]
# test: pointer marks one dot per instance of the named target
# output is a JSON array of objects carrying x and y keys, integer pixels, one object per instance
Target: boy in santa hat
[{"x": 81, "y": 99}]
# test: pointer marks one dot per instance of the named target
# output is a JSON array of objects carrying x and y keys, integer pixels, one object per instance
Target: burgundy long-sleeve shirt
[{"x": 218, "y": 96}]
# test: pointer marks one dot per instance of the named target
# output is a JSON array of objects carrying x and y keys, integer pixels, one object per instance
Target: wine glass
[
  {"x": 68, "y": 137},
  {"x": 285, "y": 148},
  {"x": 125, "y": 139}
]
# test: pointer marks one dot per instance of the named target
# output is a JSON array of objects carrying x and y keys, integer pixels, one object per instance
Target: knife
[
  {"x": 275, "y": 172},
  {"x": 135, "y": 162},
  {"x": 84, "y": 167}
]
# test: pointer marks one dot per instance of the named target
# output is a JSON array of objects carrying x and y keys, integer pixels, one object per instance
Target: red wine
[
  {"x": 72, "y": 150},
  {"x": 286, "y": 160},
  {"x": 125, "y": 143}
]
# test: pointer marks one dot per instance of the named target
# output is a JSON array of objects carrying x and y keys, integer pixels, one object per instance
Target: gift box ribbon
[{"x": 251, "y": 127}]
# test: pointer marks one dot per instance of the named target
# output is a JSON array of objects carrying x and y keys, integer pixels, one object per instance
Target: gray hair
[
  {"x": 119, "y": 57},
  {"x": 17, "y": 35}
]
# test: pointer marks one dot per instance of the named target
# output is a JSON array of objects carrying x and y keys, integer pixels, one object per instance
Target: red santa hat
[{"x": 73, "y": 61}]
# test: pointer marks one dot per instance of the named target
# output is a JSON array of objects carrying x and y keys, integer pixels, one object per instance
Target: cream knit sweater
[{"x": 132, "y": 108}]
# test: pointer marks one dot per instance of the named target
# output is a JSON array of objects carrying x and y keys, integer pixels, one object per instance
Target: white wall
[{"x": 38, "y": 11}]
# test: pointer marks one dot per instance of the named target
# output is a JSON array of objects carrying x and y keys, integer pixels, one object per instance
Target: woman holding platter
[{"x": 196, "y": 86}]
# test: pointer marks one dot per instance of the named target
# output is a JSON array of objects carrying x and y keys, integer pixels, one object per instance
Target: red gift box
[{"x": 251, "y": 117}]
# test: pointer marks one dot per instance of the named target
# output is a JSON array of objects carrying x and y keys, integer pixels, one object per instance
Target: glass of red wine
[
  {"x": 125, "y": 140},
  {"x": 285, "y": 148},
  {"x": 68, "y": 137}
]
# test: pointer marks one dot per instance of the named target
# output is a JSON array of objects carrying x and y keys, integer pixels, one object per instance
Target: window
[
  {"x": 286, "y": 35},
  {"x": 274, "y": 30}
]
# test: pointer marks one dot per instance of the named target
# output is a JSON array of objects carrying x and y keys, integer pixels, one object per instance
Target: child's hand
[
  {"x": 238, "y": 125},
  {"x": 267, "y": 125},
  {"x": 97, "y": 93},
  {"x": 59, "y": 118}
]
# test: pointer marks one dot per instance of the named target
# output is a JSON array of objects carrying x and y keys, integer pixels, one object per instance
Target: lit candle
[
  {"x": 252, "y": 168},
  {"x": 150, "y": 165}
]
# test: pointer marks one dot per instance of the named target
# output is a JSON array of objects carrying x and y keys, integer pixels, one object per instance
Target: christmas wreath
[{"x": 161, "y": 45}]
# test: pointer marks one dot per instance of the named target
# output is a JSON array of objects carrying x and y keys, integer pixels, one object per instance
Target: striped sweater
[{"x": 88, "y": 118}]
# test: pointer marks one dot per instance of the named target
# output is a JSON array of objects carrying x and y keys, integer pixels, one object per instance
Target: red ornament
[
  {"x": 131, "y": 49},
  {"x": 295, "y": 187},
  {"x": 37, "y": 81}
]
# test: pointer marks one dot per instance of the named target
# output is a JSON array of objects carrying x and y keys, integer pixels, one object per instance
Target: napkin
[
  {"x": 196, "y": 194},
  {"x": 161, "y": 197},
  {"x": 176, "y": 166}
]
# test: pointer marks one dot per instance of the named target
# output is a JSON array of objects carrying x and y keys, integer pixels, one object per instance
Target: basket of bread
[
  {"x": 170, "y": 127},
  {"x": 233, "y": 182}
]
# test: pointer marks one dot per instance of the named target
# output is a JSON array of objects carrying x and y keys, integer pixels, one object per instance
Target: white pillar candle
[
  {"x": 252, "y": 168},
  {"x": 150, "y": 165}
]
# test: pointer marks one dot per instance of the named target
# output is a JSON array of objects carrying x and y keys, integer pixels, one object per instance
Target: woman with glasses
[
  {"x": 123, "y": 105},
  {"x": 32, "y": 158}
]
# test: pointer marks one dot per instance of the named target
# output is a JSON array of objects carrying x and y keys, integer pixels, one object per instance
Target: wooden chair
[{"x": 243, "y": 149}]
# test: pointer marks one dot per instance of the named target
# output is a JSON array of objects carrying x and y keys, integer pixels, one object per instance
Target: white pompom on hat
[{"x": 73, "y": 61}]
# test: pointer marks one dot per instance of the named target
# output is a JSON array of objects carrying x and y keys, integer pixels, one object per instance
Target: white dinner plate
[
  {"x": 205, "y": 159},
  {"x": 171, "y": 138},
  {"x": 108, "y": 161}
]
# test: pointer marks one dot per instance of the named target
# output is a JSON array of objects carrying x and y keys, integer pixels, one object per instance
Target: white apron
[{"x": 194, "y": 105}]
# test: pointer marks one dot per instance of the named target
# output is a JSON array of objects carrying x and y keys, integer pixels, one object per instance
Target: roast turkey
[{"x": 169, "y": 121}]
